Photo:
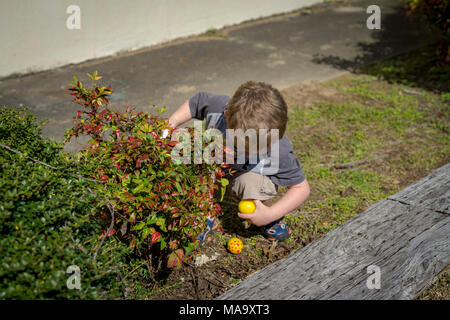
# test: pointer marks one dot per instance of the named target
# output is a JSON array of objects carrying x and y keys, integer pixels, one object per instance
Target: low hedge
[
  {"x": 45, "y": 220},
  {"x": 121, "y": 209}
]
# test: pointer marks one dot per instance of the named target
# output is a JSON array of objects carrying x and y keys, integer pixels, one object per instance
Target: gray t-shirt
[{"x": 210, "y": 107}]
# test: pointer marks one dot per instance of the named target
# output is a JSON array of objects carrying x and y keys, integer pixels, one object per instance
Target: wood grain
[{"x": 431, "y": 192}]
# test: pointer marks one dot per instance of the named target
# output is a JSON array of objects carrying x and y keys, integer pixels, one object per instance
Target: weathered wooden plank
[
  {"x": 432, "y": 191},
  {"x": 409, "y": 243}
]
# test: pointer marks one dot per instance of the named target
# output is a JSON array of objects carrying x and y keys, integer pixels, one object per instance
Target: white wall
[{"x": 34, "y": 36}]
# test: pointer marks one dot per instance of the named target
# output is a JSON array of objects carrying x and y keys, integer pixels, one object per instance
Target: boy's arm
[
  {"x": 182, "y": 115},
  {"x": 198, "y": 107},
  {"x": 293, "y": 198}
]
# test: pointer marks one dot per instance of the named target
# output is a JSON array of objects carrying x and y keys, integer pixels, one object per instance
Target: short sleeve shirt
[{"x": 283, "y": 169}]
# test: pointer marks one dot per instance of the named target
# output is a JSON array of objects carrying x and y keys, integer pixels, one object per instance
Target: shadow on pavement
[{"x": 419, "y": 68}]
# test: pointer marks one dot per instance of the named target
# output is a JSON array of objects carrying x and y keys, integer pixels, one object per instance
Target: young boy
[{"x": 254, "y": 105}]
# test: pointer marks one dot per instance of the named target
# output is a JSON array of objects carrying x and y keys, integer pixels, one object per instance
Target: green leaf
[
  {"x": 152, "y": 220},
  {"x": 190, "y": 247},
  {"x": 147, "y": 232},
  {"x": 224, "y": 183},
  {"x": 161, "y": 223},
  {"x": 139, "y": 226},
  {"x": 163, "y": 243}
]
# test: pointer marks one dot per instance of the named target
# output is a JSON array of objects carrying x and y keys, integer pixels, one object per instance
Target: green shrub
[
  {"x": 159, "y": 206},
  {"x": 56, "y": 209},
  {"x": 45, "y": 220}
]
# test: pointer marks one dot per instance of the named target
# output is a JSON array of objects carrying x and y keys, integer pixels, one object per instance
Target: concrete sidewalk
[{"x": 313, "y": 44}]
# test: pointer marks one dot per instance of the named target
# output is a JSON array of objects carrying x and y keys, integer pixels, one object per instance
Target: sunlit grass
[{"x": 374, "y": 118}]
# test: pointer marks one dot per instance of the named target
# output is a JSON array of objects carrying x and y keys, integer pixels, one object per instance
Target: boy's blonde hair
[{"x": 257, "y": 105}]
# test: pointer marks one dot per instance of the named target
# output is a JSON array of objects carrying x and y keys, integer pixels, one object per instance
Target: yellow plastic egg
[
  {"x": 246, "y": 206},
  {"x": 235, "y": 245}
]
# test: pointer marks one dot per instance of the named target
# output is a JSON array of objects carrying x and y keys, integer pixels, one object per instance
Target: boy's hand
[
  {"x": 165, "y": 133},
  {"x": 261, "y": 216},
  {"x": 180, "y": 116}
]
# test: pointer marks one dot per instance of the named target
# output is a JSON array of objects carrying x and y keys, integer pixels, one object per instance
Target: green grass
[
  {"x": 370, "y": 114},
  {"x": 439, "y": 289},
  {"x": 392, "y": 111},
  {"x": 214, "y": 33}
]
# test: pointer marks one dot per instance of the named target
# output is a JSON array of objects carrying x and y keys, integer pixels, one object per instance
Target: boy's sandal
[
  {"x": 211, "y": 226},
  {"x": 277, "y": 231}
]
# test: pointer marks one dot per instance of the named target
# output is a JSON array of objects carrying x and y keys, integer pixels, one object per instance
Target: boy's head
[{"x": 257, "y": 105}]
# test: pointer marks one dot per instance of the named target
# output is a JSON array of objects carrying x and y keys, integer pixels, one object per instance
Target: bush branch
[
  {"x": 47, "y": 165},
  {"x": 356, "y": 163},
  {"x": 111, "y": 226}
]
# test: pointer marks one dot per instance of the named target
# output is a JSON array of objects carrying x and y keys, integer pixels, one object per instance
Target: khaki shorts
[{"x": 251, "y": 185}]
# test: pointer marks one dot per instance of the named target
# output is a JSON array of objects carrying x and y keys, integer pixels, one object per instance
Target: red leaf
[
  {"x": 155, "y": 237},
  {"x": 175, "y": 259},
  {"x": 228, "y": 150},
  {"x": 219, "y": 173},
  {"x": 154, "y": 134},
  {"x": 107, "y": 234},
  {"x": 173, "y": 244}
]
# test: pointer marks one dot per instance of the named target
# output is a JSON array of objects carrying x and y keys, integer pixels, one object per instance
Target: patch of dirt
[
  {"x": 307, "y": 94},
  {"x": 225, "y": 270}
]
